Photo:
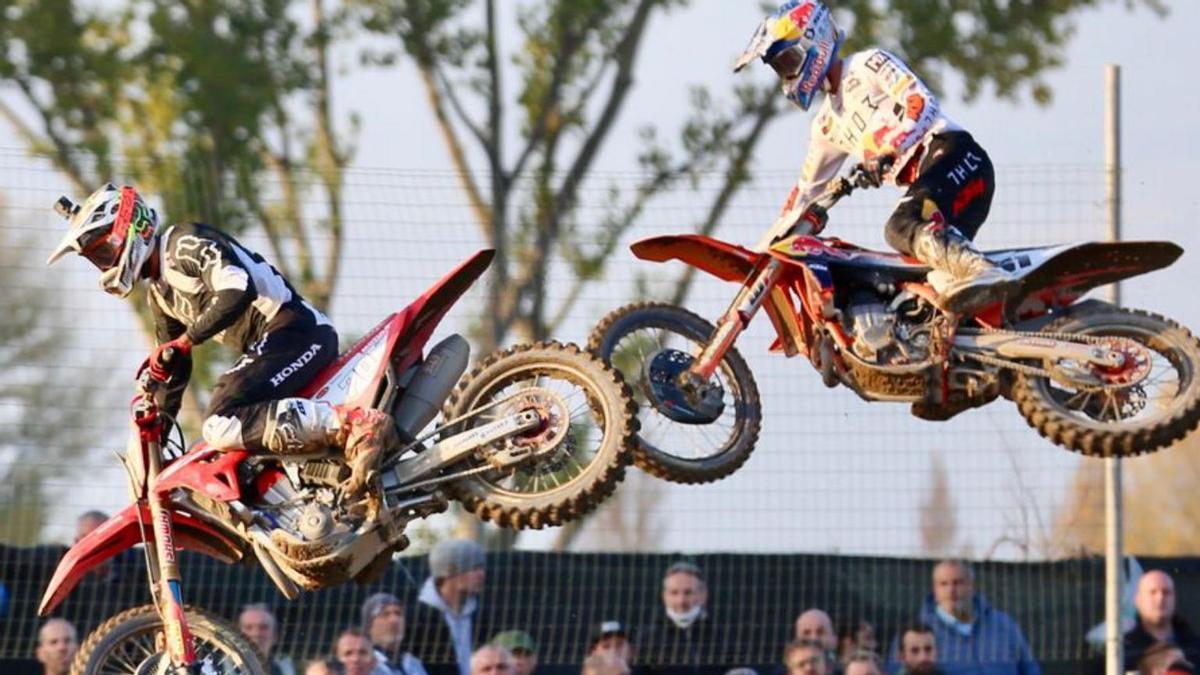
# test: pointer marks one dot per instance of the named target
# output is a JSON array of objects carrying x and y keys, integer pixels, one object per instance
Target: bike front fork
[{"x": 745, "y": 305}]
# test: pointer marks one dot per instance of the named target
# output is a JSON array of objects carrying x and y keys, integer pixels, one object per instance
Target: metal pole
[{"x": 1113, "y": 507}]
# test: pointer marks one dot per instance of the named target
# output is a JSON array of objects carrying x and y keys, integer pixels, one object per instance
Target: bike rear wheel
[
  {"x": 131, "y": 642},
  {"x": 682, "y": 453},
  {"x": 1158, "y": 408},
  {"x": 576, "y": 459}
]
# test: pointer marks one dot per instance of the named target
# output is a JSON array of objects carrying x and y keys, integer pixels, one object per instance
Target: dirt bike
[
  {"x": 1088, "y": 376},
  {"x": 535, "y": 435}
]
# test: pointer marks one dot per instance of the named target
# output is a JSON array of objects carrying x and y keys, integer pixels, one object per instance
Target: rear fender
[
  {"x": 1073, "y": 271},
  {"x": 121, "y": 533}
]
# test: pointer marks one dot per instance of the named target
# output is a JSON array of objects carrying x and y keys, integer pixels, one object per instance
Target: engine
[
  {"x": 890, "y": 331},
  {"x": 307, "y": 512}
]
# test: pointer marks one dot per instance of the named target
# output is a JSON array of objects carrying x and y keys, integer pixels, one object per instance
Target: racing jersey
[
  {"x": 210, "y": 286},
  {"x": 880, "y": 108}
]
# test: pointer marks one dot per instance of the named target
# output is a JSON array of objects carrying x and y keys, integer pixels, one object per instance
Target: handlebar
[{"x": 856, "y": 179}]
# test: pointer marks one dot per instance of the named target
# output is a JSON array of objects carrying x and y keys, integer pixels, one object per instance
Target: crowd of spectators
[{"x": 955, "y": 632}]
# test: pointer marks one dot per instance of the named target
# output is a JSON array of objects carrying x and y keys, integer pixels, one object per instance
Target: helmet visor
[
  {"x": 789, "y": 63},
  {"x": 103, "y": 250}
]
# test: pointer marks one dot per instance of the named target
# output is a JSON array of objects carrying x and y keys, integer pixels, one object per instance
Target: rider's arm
[
  {"x": 216, "y": 266},
  {"x": 167, "y": 328},
  {"x": 916, "y": 106},
  {"x": 820, "y": 166}
]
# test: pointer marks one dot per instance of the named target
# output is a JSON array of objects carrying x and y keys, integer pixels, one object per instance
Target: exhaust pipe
[{"x": 428, "y": 388}]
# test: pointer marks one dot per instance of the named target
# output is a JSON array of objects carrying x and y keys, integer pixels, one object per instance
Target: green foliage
[{"x": 1005, "y": 45}]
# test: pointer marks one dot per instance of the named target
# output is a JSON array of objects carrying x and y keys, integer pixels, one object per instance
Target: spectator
[
  {"x": 972, "y": 637},
  {"x": 445, "y": 622},
  {"x": 258, "y": 624},
  {"x": 383, "y": 621},
  {"x": 56, "y": 646},
  {"x": 522, "y": 648},
  {"x": 611, "y": 638},
  {"x": 320, "y": 666},
  {"x": 741, "y": 671},
  {"x": 1154, "y": 601},
  {"x": 814, "y": 624},
  {"x": 491, "y": 660},
  {"x": 863, "y": 663},
  {"x": 88, "y": 521},
  {"x": 918, "y": 651},
  {"x": 856, "y": 636},
  {"x": 1162, "y": 658},
  {"x": 353, "y": 650},
  {"x": 683, "y": 637},
  {"x": 805, "y": 657},
  {"x": 604, "y": 663}
]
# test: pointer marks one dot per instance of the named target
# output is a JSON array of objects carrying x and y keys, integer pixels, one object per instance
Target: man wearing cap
[
  {"x": 611, "y": 638},
  {"x": 682, "y": 639},
  {"x": 446, "y": 617},
  {"x": 383, "y": 622},
  {"x": 522, "y": 647}
]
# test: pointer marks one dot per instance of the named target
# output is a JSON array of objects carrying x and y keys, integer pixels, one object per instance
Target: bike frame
[{"x": 167, "y": 526}]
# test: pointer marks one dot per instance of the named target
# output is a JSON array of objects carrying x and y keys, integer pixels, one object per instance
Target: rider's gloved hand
[
  {"x": 874, "y": 169},
  {"x": 179, "y": 347}
]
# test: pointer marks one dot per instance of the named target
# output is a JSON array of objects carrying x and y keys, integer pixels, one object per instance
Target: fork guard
[{"x": 120, "y": 533}]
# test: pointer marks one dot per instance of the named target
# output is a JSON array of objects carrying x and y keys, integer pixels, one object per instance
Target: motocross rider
[
  {"x": 877, "y": 111},
  {"x": 201, "y": 285}
]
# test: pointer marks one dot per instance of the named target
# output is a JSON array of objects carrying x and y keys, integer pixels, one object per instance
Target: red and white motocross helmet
[
  {"x": 115, "y": 230},
  {"x": 800, "y": 41}
]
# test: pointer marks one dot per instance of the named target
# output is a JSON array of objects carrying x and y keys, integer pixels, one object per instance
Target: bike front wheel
[
  {"x": 628, "y": 339},
  {"x": 132, "y": 642}
]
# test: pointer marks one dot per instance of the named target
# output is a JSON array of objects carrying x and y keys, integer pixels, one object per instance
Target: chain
[{"x": 1035, "y": 370}]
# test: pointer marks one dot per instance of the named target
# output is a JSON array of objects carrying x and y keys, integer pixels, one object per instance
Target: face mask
[{"x": 685, "y": 619}]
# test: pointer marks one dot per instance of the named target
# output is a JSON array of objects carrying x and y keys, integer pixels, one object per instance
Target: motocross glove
[{"x": 163, "y": 354}]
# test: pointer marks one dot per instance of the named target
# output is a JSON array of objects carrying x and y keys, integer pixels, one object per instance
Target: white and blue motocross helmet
[{"x": 800, "y": 41}]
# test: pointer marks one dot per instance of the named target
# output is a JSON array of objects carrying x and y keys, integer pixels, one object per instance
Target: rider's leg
[
  {"x": 940, "y": 214},
  {"x": 254, "y": 405}
]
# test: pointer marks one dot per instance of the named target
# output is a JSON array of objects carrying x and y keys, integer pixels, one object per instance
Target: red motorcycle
[
  {"x": 535, "y": 435},
  {"x": 1087, "y": 375}
]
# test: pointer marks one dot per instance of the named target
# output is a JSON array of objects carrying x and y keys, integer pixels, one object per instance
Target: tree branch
[
  {"x": 456, "y": 105},
  {"x": 329, "y": 163},
  {"x": 62, "y": 150},
  {"x": 482, "y": 211},
  {"x": 734, "y": 177},
  {"x": 626, "y": 56}
]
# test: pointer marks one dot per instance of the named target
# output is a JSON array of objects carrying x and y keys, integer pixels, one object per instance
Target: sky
[{"x": 831, "y": 473}]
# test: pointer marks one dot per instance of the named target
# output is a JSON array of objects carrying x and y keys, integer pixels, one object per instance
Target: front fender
[
  {"x": 720, "y": 259},
  {"x": 120, "y": 533}
]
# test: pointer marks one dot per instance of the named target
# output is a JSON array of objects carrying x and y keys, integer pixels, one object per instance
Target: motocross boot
[
  {"x": 365, "y": 434},
  {"x": 300, "y": 426},
  {"x": 964, "y": 279}
]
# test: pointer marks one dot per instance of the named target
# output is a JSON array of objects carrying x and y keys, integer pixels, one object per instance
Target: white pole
[{"x": 1113, "y": 507}]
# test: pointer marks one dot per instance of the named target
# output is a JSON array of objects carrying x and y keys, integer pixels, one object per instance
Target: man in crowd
[
  {"x": 611, "y": 637},
  {"x": 353, "y": 651},
  {"x": 258, "y": 625},
  {"x": 805, "y": 657},
  {"x": 1154, "y": 601},
  {"x": 522, "y": 647},
  {"x": 917, "y": 651},
  {"x": 56, "y": 646},
  {"x": 815, "y": 625},
  {"x": 491, "y": 660},
  {"x": 604, "y": 663},
  {"x": 972, "y": 637},
  {"x": 445, "y": 621},
  {"x": 863, "y": 663},
  {"x": 383, "y": 622},
  {"x": 682, "y": 639}
]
